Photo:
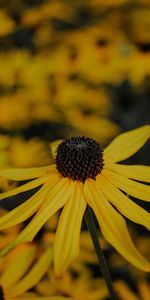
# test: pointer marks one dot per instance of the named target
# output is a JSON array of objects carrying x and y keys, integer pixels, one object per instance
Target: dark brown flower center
[
  {"x": 1, "y": 293},
  {"x": 79, "y": 158}
]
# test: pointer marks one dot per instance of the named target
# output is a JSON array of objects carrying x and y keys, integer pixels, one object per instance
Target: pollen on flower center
[
  {"x": 1, "y": 293},
  {"x": 79, "y": 158}
]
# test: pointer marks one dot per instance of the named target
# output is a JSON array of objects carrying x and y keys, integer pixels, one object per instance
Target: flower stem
[{"x": 101, "y": 259}]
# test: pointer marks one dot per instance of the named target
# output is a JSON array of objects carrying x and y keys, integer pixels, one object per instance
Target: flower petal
[
  {"x": 22, "y": 260},
  {"x": 26, "y": 187},
  {"x": 25, "y": 174},
  {"x": 124, "y": 291},
  {"x": 66, "y": 246},
  {"x": 36, "y": 273},
  {"x": 53, "y": 146},
  {"x": 126, "y": 144},
  {"x": 133, "y": 188},
  {"x": 28, "y": 208},
  {"x": 141, "y": 173},
  {"x": 55, "y": 199},
  {"x": 113, "y": 226},
  {"x": 126, "y": 206}
]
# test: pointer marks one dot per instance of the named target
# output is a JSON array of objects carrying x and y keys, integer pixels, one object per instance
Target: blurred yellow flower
[
  {"x": 36, "y": 154},
  {"x": 125, "y": 292},
  {"x": 14, "y": 113},
  {"x": 80, "y": 287},
  {"x": 141, "y": 291},
  {"x": 20, "y": 271},
  {"x": 73, "y": 94},
  {"x": 17, "y": 152},
  {"x": 92, "y": 125},
  {"x": 6, "y": 23},
  {"x": 140, "y": 25},
  {"x": 28, "y": 153},
  {"x": 139, "y": 68},
  {"x": 52, "y": 9},
  {"x": 41, "y": 96}
]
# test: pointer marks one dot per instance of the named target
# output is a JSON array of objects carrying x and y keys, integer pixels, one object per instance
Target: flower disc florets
[{"x": 79, "y": 158}]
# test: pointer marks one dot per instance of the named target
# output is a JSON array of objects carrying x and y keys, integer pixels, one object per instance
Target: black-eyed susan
[
  {"x": 84, "y": 174},
  {"x": 20, "y": 271}
]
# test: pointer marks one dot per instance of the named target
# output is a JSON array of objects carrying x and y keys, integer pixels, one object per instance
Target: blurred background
[{"x": 74, "y": 68}]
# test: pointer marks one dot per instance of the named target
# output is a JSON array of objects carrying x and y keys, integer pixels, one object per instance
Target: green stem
[{"x": 101, "y": 259}]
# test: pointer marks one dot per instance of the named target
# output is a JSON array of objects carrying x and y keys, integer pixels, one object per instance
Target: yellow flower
[
  {"x": 20, "y": 271},
  {"x": 72, "y": 94},
  {"x": 83, "y": 175},
  {"x": 28, "y": 153},
  {"x": 87, "y": 253},
  {"x": 54, "y": 9},
  {"x": 138, "y": 68},
  {"x": 16, "y": 152},
  {"x": 21, "y": 153},
  {"x": 99, "y": 53},
  {"x": 101, "y": 129},
  {"x": 13, "y": 112},
  {"x": 140, "y": 25},
  {"x": 83, "y": 286}
]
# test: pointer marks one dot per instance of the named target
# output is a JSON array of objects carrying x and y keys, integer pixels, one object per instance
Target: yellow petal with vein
[
  {"x": 18, "y": 266},
  {"x": 133, "y": 188},
  {"x": 113, "y": 226},
  {"x": 140, "y": 173},
  {"x": 26, "y": 187},
  {"x": 36, "y": 273},
  {"x": 27, "y": 209},
  {"x": 126, "y": 206},
  {"x": 54, "y": 200},
  {"x": 126, "y": 144},
  {"x": 24, "y": 174},
  {"x": 66, "y": 245}
]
